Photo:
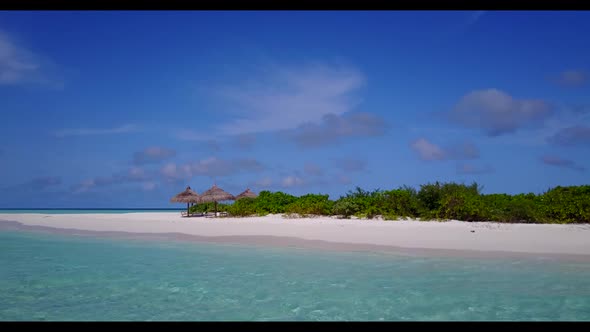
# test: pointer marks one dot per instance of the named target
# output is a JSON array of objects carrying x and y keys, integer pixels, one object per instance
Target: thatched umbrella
[
  {"x": 246, "y": 193},
  {"x": 216, "y": 194},
  {"x": 187, "y": 196}
]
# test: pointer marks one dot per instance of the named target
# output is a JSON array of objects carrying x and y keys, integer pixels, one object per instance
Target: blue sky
[{"x": 125, "y": 109}]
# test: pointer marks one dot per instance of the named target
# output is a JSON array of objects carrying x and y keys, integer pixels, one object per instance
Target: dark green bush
[
  {"x": 567, "y": 204},
  {"x": 497, "y": 206},
  {"x": 345, "y": 206},
  {"x": 277, "y": 202},
  {"x": 433, "y": 200},
  {"x": 243, "y": 207},
  {"x": 429, "y": 198},
  {"x": 402, "y": 202},
  {"x": 311, "y": 204},
  {"x": 462, "y": 205},
  {"x": 524, "y": 208},
  {"x": 208, "y": 207},
  {"x": 450, "y": 201},
  {"x": 360, "y": 203}
]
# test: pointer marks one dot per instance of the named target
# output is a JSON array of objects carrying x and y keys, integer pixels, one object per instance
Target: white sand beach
[{"x": 330, "y": 233}]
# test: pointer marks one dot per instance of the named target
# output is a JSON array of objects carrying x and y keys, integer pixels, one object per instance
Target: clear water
[
  {"x": 59, "y": 277},
  {"x": 84, "y": 211}
]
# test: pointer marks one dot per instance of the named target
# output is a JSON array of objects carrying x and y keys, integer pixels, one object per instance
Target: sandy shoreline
[{"x": 452, "y": 238}]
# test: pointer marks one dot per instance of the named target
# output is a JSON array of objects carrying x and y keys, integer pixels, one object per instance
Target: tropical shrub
[
  {"x": 432, "y": 200},
  {"x": 429, "y": 199},
  {"x": 311, "y": 204},
  {"x": 243, "y": 207},
  {"x": 524, "y": 208},
  {"x": 462, "y": 205},
  {"x": 208, "y": 207},
  {"x": 401, "y": 202},
  {"x": 345, "y": 206},
  {"x": 446, "y": 200},
  {"x": 360, "y": 203},
  {"x": 277, "y": 202},
  {"x": 567, "y": 204}
]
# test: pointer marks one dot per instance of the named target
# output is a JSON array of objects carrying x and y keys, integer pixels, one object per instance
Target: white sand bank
[{"x": 335, "y": 233}]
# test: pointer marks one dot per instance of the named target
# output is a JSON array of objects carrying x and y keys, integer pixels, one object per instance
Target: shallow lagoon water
[{"x": 70, "y": 278}]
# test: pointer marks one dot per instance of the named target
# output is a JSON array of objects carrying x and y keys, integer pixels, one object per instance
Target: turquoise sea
[{"x": 61, "y": 277}]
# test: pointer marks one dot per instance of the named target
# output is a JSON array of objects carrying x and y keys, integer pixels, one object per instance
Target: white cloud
[
  {"x": 264, "y": 182},
  {"x": 169, "y": 170},
  {"x": 427, "y": 150},
  {"x": 45, "y": 182},
  {"x": 154, "y": 154},
  {"x": 16, "y": 64},
  {"x": 572, "y": 78},
  {"x": 287, "y": 97},
  {"x": 350, "y": 164},
  {"x": 190, "y": 135},
  {"x": 578, "y": 135},
  {"x": 84, "y": 186},
  {"x": 105, "y": 131},
  {"x": 149, "y": 186},
  {"x": 19, "y": 65},
  {"x": 561, "y": 162},
  {"x": 334, "y": 128},
  {"x": 214, "y": 166},
  {"x": 469, "y": 169},
  {"x": 132, "y": 175},
  {"x": 497, "y": 113},
  {"x": 292, "y": 181},
  {"x": 343, "y": 179},
  {"x": 172, "y": 172},
  {"x": 211, "y": 167},
  {"x": 565, "y": 116},
  {"x": 245, "y": 141},
  {"x": 430, "y": 151},
  {"x": 312, "y": 169},
  {"x": 136, "y": 174}
]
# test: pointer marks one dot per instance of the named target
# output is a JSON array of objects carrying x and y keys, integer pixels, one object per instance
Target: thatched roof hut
[
  {"x": 216, "y": 194},
  {"x": 187, "y": 196},
  {"x": 246, "y": 193}
]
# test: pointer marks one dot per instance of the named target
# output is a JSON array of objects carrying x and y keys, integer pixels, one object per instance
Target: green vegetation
[
  {"x": 438, "y": 201},
  {"x": 311, "y": 204},
  {"x": 274, "y": 203},
  {"x": 243, "y": 208},
  {"x": 208, "y": 207}
]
